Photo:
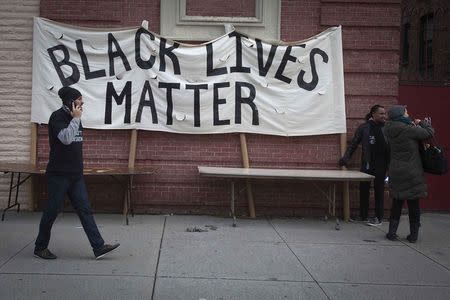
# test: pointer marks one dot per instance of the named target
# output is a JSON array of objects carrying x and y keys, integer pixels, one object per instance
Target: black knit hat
[
  {"x": 68, "y": 94},
  {"x": 396, "y": 111}
]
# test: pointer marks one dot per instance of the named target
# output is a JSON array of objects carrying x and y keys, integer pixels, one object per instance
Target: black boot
[
  {"x": 392, "y": 234},
  {"x": 414, "y": 232}
]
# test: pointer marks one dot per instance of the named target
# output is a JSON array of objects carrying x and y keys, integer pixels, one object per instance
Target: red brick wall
[
  {"x": 371, "y": 42},
  {"x": 430, "y": 101}
]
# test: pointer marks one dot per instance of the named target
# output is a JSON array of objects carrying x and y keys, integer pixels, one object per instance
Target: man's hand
[{"x": 77, "y": 111}]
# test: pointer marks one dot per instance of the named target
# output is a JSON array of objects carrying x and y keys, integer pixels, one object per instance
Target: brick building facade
[{"x": 371, "y": 39}]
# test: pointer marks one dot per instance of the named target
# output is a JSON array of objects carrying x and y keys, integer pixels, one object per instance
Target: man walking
[{"x": 65, "y": 175}]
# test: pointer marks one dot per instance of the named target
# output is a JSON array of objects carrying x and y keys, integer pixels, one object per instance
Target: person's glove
[{"x": 343, "y": 162}]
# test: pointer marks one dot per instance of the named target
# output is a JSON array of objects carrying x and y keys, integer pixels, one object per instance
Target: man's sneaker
[
  {"x": 359, "y": 220},
  {"x": 44, "y": 254},
  {"x": 105, "y": 249},
  {"x": 374, "y": 222}
]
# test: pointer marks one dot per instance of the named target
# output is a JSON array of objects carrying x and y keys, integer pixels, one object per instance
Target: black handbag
[{"x": 433, "y": 158}]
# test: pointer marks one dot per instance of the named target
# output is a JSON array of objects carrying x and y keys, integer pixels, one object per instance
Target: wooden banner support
[
  {"x": 132, "y": 153},
  {"x": 245, "y": 160},
  {"x": 33, "y": 161},
  {"x": 345, "y": 185},
  {"x": 251, "y": 204},
  {"x": 131, "y": 163}
]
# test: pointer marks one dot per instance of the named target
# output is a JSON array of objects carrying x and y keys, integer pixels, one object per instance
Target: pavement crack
[{"x": 159, "y": 255}]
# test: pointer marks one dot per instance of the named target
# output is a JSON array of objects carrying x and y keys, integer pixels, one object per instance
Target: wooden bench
[
  {"x": 123, "y": 175},
  {"x": 331, "y": 176}
]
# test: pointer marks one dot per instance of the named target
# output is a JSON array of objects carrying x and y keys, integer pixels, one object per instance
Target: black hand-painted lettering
[
  {"x": 210, "y": 71},
  {"x": 309, "y": 86},
  {"x": 65, "y": 81},
  {"x": 238, "y": 68},
  {"x": 196, "y": 88},
  {"x": 168, "y": 51},
  {"x": 84, "y": 61},
  {"x": 113, "y": 54},
  {"x": 218, "y": 101},
  {"x": 143, "y": 64},
  {"x": 247, "y": 100},
  {"x": 263, "y": 69},
  {"x": 169, "y": 86},
  {"x": 144, "y": 102},
  {"x": 110, "y": 94},
  {"x": 286, "y": 57}
]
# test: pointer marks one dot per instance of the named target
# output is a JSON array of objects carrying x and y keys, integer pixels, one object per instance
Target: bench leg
[
  {"x": 346, "y": 200},
  {"x": 233, "y": 215},
  {"x": 11, "y": 187},
  {"x": 333, "y": 196}
]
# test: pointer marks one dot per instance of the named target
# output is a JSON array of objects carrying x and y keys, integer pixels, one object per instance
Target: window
[
  {"x": 426, "y": 46},
  {"x": 186, "y": 20},
  {"x": 405, "y": 43}
]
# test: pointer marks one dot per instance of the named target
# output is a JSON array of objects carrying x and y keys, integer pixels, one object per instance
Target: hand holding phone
[{"x": 76, "y": 110}]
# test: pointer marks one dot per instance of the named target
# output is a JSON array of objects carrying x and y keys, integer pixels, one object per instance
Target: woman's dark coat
[{"x": 406, "y": 176}]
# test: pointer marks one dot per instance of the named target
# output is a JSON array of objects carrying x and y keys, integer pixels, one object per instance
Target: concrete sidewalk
[{"x": 259, "y": 259}]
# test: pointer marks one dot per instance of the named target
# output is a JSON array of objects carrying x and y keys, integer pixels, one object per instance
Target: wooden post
[
  {"x": 33, "y": 161},
  {"x": 131, "y": 161},
  {"x": 132, "y": 153},
  {"x": 345, "y": 185},
  {"x": 245, "y": 160},
  {"x": 33, "y": 149}
]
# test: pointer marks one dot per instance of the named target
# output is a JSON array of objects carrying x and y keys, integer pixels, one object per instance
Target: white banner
[{"x": 133, "y": 78}]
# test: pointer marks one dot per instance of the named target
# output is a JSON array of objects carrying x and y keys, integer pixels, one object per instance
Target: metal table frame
[{"x": 331, "y": 176}]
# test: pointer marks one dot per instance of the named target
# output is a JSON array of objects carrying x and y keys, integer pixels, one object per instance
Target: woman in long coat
[{"x": 406, "y": 176}]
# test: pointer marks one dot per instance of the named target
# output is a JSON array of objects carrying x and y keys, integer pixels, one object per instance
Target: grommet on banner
[
  {"x": 120, "y": 76},
  {"x": 56, "y": 35},
  {"x": 225, "y": 57},
  {"x": 301, "y": 60},
  {"x": 280, "y": 110},
  {"x": 180, "y": 117},
  {"x": 228, "y": 27},
  {"x": 248, "y": 42},
  {"x": 144, "y": 24}
]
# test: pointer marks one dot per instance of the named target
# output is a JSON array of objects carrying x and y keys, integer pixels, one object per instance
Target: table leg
[
  {"x": 9, "y": 197},
  {"x": 17, "y": 193},
  {"x": 125, "y": 186},
  {"x": 338, "y": 225},
  {"x": 127, "y": 199},
  {"x": 232, "y": 204},
  {"x": 130, "y": 191},
  {"x": 346, "y": 200},
  {"x": 11, "y": 187}
]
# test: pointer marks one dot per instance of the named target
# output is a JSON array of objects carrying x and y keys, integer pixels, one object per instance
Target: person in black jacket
[
  {"x": 65, "y": 175},
  {"x": 374, "y": 160}
]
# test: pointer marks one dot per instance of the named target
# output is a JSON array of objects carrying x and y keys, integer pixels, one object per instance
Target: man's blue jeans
[{"x": 75, "y": 188}]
